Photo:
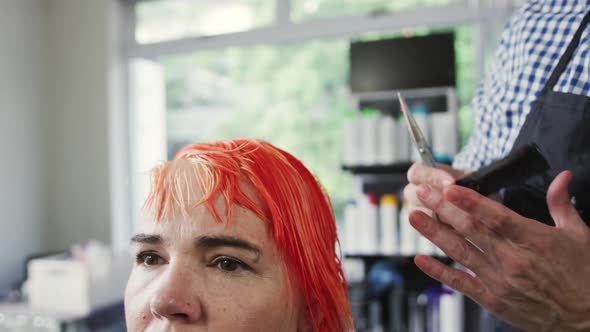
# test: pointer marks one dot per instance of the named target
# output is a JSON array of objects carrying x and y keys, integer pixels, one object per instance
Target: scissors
[
  {"x": 417, "y": 135},
  {"x": 515, "y": 168},
  {"x": 419, "y": 139}
]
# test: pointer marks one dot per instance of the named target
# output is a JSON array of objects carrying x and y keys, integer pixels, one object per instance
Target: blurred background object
[{"x": 96, "y": 92}]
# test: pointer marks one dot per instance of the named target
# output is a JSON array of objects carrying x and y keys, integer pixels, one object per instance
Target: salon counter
[{"x": 21, "y": 317}]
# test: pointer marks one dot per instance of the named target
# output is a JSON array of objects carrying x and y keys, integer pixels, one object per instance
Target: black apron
[{"x": 559, "y": 123}]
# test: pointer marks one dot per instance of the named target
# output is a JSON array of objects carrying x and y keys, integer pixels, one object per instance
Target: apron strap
[{"x": 566, "y": 57}]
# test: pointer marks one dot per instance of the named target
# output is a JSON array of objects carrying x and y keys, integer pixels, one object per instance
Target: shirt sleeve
[{"x": 481, "y": 147}]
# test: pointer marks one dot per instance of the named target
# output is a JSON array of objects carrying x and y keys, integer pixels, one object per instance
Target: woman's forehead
[{"x": 199, "y": 221}]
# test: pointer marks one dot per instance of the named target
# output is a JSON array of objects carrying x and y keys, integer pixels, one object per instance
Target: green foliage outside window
[{"x": 295, "y": 96}]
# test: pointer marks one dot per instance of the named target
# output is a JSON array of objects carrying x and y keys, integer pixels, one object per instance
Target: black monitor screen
[{"x": 403, "y": 63}]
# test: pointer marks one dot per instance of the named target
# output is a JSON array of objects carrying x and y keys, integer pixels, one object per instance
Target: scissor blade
[{"x": 416, "y": 133}]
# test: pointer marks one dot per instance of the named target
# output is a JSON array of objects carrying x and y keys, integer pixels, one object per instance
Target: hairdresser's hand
[
  {"x": 534, "y": 276},
  {"x": 436, "y": 178}
]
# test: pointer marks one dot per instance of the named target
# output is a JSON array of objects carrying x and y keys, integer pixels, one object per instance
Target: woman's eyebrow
[
  {"x": 147, "y": 238},
  {"x": 210, "y": 242}
]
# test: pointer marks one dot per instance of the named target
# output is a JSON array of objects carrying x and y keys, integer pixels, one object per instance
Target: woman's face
[{"x": 195, "y": 274}]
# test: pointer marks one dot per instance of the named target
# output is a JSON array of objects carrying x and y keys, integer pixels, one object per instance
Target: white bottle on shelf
[
  {"x": 368, "y": 232},
  {"x": 407, "y": 233},
  {"x": 402, "y": 151},
  {"x": 444, "y": 135},
  {"x": 352, "y": 137},
  {"x": 370, "y": 136},
  {"x": 351, "y": 226},
  {"x": 388, "y": 218},
  {"x": 387, "y": 140},
  {"x": 451, "y": 309}
]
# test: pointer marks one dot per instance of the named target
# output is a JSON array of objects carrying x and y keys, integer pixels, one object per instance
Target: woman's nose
[
  {"x": 176, "y": 311},
  {"x": 174, "y": 301}
]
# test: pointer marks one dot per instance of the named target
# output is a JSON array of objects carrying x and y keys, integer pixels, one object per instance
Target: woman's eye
[
  {"x": 149, "y": 259},
  {"x": 227, "y": 264}
]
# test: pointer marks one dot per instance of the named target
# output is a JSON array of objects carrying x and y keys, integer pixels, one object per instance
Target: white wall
[
  {"x": 23, "y": 134},
  {"x": 59, "y": 110},
  {"x": 82, "y": 52}
]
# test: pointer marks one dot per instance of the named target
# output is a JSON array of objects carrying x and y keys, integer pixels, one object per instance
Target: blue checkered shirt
[{"x": 532, "y": 43}]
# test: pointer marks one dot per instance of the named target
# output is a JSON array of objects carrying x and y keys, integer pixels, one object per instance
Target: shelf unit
[
  {"x": 395, "y": 168},
  {"x": 392, "y": 178},
  {"x": 416, "y": 279},
  {"x": 414, "y": 282},
  {"x": 437, "y": 99},
  {"x": 446, "y": 94}
]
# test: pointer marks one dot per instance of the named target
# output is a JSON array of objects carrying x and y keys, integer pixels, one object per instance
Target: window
[
  {"x": 294, "y": 96},
  {"x": 258, "y": 75},
  {"x": 174, "y": 19},
  {"x": 313, "y": 9}
]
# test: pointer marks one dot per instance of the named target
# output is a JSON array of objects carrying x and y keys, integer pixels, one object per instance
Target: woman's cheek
[
  {"x": 252, "y": 304},
  {"x": 137, "y": 302}
]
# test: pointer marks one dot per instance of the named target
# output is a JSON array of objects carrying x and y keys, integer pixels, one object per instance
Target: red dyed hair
[{"x": 298, "y": 213}]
